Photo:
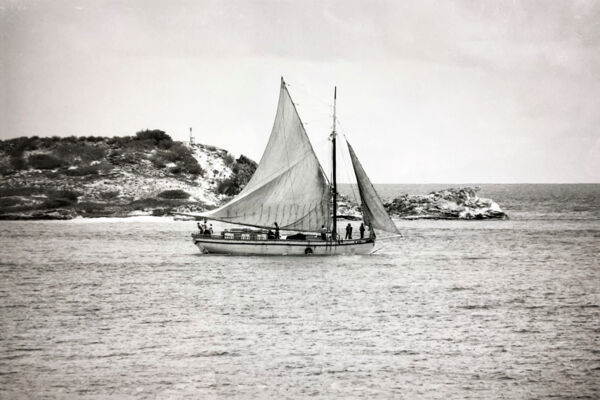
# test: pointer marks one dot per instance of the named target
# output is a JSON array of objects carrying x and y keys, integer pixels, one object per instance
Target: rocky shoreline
[
  {"x": 149, "y": 174},
  {"x": 448, "y": 204},
  {"x": 453, "y": 203}
]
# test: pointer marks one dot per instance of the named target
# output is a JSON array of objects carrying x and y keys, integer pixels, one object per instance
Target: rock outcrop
[{"x": 461, "y": 203}]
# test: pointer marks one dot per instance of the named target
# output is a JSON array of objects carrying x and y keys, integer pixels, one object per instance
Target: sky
[{"x": 428, "y": 91}]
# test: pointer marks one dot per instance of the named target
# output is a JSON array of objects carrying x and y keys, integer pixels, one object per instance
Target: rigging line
[
  {"x": 285, "y": 142},
  {"x": 354, "y": 187},
  {"x": 307, "y": 91},
  {"x": 357, "y": 199},
  {"x": 306, "y": 134}
]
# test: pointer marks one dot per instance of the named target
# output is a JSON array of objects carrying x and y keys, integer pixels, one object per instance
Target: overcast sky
[{"x": 429, "y": 91}]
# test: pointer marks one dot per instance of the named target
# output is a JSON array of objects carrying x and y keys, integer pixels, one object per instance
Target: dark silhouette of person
[
  {"x": 200, "y": 228},
  {"x": 349, "y": 231},
  {"x": 323, "y": 232},
  {"x": 276, "y": 230},
  {"x": 362, "y": 230},
  {"x": 270, "y": 235}
]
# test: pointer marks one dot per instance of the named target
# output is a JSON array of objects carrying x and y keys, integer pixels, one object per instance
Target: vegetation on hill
[
  {"x": 242, "y": 169},
  {"x": 52, "y": 177},
  {"x": 67, "y": 154}
]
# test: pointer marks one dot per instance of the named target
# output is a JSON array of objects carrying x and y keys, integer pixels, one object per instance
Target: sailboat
[{"x": 290, "y": 188}]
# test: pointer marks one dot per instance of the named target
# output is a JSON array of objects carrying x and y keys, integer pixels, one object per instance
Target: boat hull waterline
[{"x": 283, "y": 247}]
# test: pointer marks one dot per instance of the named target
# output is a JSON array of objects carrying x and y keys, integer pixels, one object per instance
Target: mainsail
[
  {"x": 288, "y": 186},
  {"x": 372, "y": 207}
]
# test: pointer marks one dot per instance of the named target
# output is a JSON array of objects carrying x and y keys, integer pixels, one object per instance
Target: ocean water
[{"x": 456, "y": 309}]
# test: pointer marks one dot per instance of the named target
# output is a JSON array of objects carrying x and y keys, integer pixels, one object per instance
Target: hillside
[{"x": 149, "y": 173}]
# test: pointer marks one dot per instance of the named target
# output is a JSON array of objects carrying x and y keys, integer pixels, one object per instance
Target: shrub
[
  {"x": 157, "y": 161},
  {"x": 55, "y": 203},
  {"x": 84, "y": 151},
  {"x": 18, "y": 163},
  {"x": 191, "y": 165},
  {"x": 20, "y": 191},
  {"x": 159, "y": 212},
  {"x": 9, "y": 201},
  {"x": 174, "y": 194},
  {"x": 83, "y": 171},
  {"x": 165, "y": 143},
  {"x": 245, "y": 160},
  {"x": 90, "y": 207},
  {"x": 228, "y": 159},
  {"x": 44, "y": 161},
  {"x": 70, "y": 139},
  {"x": 177, "y": 152},
  {"x": 243, "y": 168},
  {"x": 109, "y": 194},
  {"x": 95, "y": 139},
  {"x": 143, "y": 204},
  {"x": 228, "y": 186},
  {"x": 65, "y": 194},
  {"x": 140, "y": 145},
  {"x": 156, "y": 136},
  {"x": 16, "y": 147}
]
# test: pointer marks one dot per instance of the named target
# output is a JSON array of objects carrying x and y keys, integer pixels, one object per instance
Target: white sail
[
  {"x": 372, "y": 207},
  {"x": 288, "y": 186}
]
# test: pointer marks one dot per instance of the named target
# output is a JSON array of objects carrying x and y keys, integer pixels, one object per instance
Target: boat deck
[{"x": 311, "y": 244}]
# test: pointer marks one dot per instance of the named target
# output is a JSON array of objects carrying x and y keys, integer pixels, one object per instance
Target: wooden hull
[{"x": 282, "y": 247}]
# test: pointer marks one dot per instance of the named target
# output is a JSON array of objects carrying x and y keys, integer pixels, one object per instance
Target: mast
[{"x": 334, "y": 192}]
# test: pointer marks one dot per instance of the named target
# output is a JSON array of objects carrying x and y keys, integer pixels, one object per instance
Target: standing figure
[
  {"x": 200, "y": 228},
  {"x": 276, "y": 230},
  {"x": 349, "y": 231},
  {"x": 362, "y": 230},
  {"x": 323, "y": 232}
]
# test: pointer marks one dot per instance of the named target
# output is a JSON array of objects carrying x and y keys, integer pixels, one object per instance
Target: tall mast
[{"x": 333, "y": 135}]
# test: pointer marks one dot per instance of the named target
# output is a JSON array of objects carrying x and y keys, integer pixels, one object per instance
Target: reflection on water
[{"x": 472, "y": 309}]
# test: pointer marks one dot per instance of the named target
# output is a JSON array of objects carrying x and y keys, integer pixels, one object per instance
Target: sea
[{"x": 130, "y": 309}]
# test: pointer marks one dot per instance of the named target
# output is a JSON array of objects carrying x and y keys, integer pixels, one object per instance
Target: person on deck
[
  {"x": 362, "y": 230},
  {"x": 276, "y": 230},
  {"x": 323, "y": 232},
  {"x": 200, "y": 228},
  {"x": 349, "y": 231}
]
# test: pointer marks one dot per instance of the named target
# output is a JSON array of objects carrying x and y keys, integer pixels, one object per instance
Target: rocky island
[
  {"x": 452, "y": 203},
  {"x": 151, "y": 174},
  {"x": 461, "y": 203}
]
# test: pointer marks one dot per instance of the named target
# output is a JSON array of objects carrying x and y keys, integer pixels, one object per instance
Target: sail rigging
[
  {"x": 289, "y": 186},
  {"x": 372, "y": 207}
]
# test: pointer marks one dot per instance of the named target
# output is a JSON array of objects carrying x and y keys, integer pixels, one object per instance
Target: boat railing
[{"x": 262, "y": 236}]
